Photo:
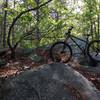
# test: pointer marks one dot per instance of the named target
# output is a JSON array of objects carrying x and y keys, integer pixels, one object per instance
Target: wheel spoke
[{"x": 60, "y": 52}]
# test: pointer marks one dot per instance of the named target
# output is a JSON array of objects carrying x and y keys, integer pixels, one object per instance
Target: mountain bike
[{"x": 62, "y": 51}]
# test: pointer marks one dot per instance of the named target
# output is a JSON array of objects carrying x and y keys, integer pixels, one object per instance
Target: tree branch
[{"x": 14, "y": 21}]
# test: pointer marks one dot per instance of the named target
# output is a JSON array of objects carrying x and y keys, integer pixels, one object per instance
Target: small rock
[{"x": 2, "y": 62}]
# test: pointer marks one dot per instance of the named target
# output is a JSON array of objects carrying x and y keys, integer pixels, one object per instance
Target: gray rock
[
  {"x": 24, "y": 51},
  {"x": 36, "y": 58},
  {"x": 2, "y": 62},
  {"x": 50, "y": 82}
]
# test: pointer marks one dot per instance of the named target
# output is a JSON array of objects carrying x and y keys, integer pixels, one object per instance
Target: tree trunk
[
  {"x": 12, "y": 48},
  {"x": 4, "y": 24},
  {"x": 13, "y": 35},
  {"x": 91, "y": 31},
  {"x": 98, "y": 27},
  {"x": 37, "y": 24},
  {"x": 95, "y": 30},
  {"x": 1, "y": 31}
]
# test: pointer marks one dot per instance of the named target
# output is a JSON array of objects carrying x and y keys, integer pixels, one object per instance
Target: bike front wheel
[
  {"x": 60, "y": 52},
  {"x": 94, "y": 50}
]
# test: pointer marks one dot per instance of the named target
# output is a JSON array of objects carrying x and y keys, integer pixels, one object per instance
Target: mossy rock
[
  {"x": 2, "y": 62},
  {"x": 36, "y": 58}
]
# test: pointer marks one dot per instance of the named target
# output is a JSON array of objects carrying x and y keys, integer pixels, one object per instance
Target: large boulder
[{"x": 55, "y": 81}]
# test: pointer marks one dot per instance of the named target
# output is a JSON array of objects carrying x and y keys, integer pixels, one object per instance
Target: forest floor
[{"x": 20, "y": 64}]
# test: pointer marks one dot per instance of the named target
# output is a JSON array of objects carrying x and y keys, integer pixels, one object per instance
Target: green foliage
[{"x": 53, "y": 19}]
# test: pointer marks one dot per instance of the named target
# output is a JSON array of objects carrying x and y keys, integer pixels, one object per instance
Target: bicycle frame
[
  {"x": 83, "y": 50},
  {"x": 65, "y": 52}
]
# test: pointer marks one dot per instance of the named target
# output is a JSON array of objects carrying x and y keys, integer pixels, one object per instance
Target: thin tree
[
  {"x": 5, "y": 22},
  {"x": 37, "y": 23},
  {"x": 13, "y": 47}
]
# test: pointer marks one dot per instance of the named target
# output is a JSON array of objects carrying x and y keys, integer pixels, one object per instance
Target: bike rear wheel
[
  {"x": 94, "y": 50},
  {"x": 60, "y": 52}
]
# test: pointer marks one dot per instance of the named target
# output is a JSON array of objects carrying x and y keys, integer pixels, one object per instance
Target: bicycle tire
[
  {"x": 55, "y": 52},
  {"x": 93, "y": 50}
]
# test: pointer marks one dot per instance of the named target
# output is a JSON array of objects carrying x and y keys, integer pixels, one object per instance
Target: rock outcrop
[{"x": 55, "y": 81}]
